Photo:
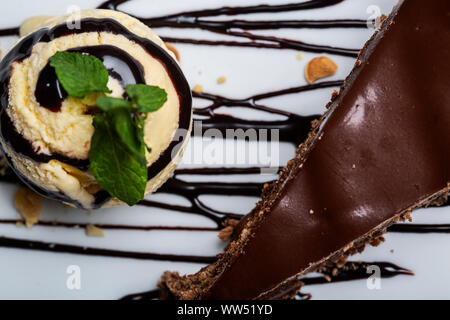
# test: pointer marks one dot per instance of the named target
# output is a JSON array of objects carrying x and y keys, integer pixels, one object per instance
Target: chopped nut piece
[
  {"x": 29, "y": 205},
  {"x": 174, "y": 50},
  {"x": 93, "y": 231},
  {"x": 221, "y": 80},
  {"x": 226, "y": 233},
  {"x": 320, "y": 67},
  {"x": 198, "y": 89},
  {"x": 311, "y": 211}
]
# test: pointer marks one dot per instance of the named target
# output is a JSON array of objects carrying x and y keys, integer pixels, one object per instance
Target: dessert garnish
[
  {"x": 117, "y": 153},
  {"x": 320, "y": 67},
  {"x": 29, "y": 205},
  {"x": 94, "y": 231}
]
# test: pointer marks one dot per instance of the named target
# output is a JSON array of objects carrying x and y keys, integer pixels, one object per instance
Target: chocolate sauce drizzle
[
  {"x": 351, "y": 271},
  {"x": 193, "y": 19},
  {"x": 100, "y": 252},
  {"x": 356, "y": 271},
  {"x": 9, "y": 32},
  {"x": 294, "y": 128}
]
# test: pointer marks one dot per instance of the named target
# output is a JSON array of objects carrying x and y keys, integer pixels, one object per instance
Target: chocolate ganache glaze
[
  {"x": 121, "y": 66},
  {"x": 382, "y": 150}
]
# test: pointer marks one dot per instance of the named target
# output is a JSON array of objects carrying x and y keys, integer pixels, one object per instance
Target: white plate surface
[{"x": 42, "y": 275}]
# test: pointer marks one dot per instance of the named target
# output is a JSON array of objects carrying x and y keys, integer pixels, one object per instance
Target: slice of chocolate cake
[{"x": 382, "y": 150}]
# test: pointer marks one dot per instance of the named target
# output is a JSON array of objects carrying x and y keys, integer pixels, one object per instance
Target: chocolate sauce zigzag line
[
  {"x": 398, "y": 228},
  {"x": 267, "y": 24},
  {"x": 9, "y": 32},
  {"x": 73, "y": 225},
  {"x": 351, "y": 271},
  {"x": 259, "y": 24},
  {"x": 294, "y": 128},
  {"x": 284, "y": 43},
  {"x": 251, "y": 102},
  {"x": 356, "y": 270},
  {"x": 190, "y": 19},
  {"x": 13, "y": 243},
  {"x": 305, "y": 5},
  {"x": 271, "y": 42},
  {"x": 420, "y": 228}
]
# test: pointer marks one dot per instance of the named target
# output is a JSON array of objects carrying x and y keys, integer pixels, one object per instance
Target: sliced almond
[
  {"x": 198, "y": 89},
  {"x": 320, "y": 67},
  {"x": 221, "y": 80},
  {"x": 29, "y": 205},
  {"x": 93, "y": 231}
]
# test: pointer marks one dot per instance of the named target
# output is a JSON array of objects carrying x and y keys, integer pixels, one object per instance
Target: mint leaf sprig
[{"x": 117, "y": 154}]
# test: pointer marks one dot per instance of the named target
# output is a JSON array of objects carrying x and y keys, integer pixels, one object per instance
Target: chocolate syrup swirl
[{"x": 120, "y": 65}]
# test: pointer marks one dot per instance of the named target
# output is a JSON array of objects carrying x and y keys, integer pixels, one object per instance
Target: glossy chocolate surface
[{"x": 383, "y": 148}]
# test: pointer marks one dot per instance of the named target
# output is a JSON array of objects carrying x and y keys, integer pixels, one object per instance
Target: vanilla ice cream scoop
[{"x": 46, "y": 135}]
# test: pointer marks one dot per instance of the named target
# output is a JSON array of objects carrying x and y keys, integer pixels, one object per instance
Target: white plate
[{"x": 42, "y": 275}]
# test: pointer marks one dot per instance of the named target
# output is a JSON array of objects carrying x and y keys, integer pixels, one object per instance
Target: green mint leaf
[
  {"x": 80, "y": 74},
  {"x": 129, "y": 134},
  {"x": 109, "y": 104},
  {"x": 139, "y": 123},
  {"x": 147, "y": 98},
  {"x": 117, "y": 170}
]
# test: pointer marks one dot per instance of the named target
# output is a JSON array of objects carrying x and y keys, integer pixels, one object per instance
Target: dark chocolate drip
[
  {"x": 121, "y": 66},
  {"x": 9, "y": 32},
  {"x": 283, "y": 43},
  {"x": 23, "y": 50},
  {"x": 420, "y": 228},
  {"x": 189, "y": 22},
  {"x": 294, "y": 128},
  {"x": 192, "y": 19},
  {"x": 303, "y": 296},
  {"x": 356, "y": 270},
  {"x": 306, "y": 5},
  {"x": 70, "y": 225},
  {"x": 352, "y": 270},
  {"x": 73, "y": 249}
]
